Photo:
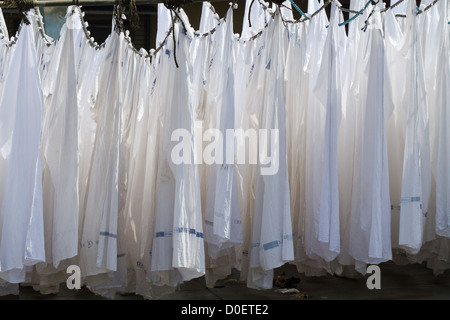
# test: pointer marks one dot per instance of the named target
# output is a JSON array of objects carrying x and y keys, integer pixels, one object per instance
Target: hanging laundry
[
  {"x": 60, "y": 152},
  {"x": 178, "y": 225},
  {"x": 21, "y": 110},
  {"x": 416, "y": 181},
  {"x": 201, "y": 53},
  {"x": 340, "y": 155},
  {"x": 5, "y": 50},
  {"x": 442, "y": 146},
  {"x": 322, "y": 238},
  {"x": 272, "y": 244},
  {"x": 255, "y": 18},
  {"x": 349, "y": 71},
  {"x": 249, "y": 93},
  {"x": 98, "y": 252},
  {"x": 88, "y": 86},
  {"x": 164, "y": 23},
  {"x": 223, "y": 225},
  {"x": 209, "y": 18},
  {"x": 370, "y": 215},
  {"x": 296, "y": 102}
]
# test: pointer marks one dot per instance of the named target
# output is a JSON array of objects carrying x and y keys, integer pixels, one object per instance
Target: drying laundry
[{"x": 105, "y": 149}]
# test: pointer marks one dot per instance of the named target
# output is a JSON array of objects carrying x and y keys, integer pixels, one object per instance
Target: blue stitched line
[
  {"x": 411, "y": 199},
  {"x": 271, "y": 245},
  {"x": 107, "y": 234},
  {"x": 161, "y": 234}
]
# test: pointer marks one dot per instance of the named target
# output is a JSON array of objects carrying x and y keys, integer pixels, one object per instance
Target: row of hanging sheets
[{"x": 358, "y": 172}]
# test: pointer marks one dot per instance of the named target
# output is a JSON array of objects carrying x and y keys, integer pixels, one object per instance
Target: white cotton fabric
[
  {"x": 296, "y": 104},
  {"x": 248, "y": 99},
  {"x": 5, "y": 51},
  {"x": 370, "y": 215},
  {"x": 3, "y": 27},
  {"x": 272, "y": 244},
  {"x": 255, "y": 21},
  {"x": 222, "y": 215},
  {"x": 443, "y": 100},
  {"x": 209, "y": 18},
  {"x": 222, "y": 212},
  {"x": 98, "y": 252},
  {"x": 164, "y": 23},
  {"x": 338, "y": 156},
  {"x": 178, "y": 224},
  {"x": 347, "y": 132},
  {"x": 60, "y": 152},
  {"x": 416, "y": 184},
  {"x": 22, "y": 229},
  {"x": 322, "y": 237}
]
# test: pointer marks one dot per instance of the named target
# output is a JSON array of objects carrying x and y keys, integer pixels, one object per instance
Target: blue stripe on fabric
[
  {"x": 189, "y": 231},
  {"x": 411, "y": 199},
  {"x": 271, "y": 245},
  {"x": 107, "y": 234},
  {"x": 161, "y": 234},
  {"x": 181, "y": 230}
]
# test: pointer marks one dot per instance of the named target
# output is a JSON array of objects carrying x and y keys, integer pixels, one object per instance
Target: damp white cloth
[
  {"x": 322, "y": 236},
  {"x": 178, "y": 224},
  {"x": 104, "y": 148},
  {"x": 60, "y": 151},
  {"x": 272, "y": 243},
  {"x": 370, "y": 216},
  {"x": 21, "y": 109},
  {"x": 98, "y": 252}
]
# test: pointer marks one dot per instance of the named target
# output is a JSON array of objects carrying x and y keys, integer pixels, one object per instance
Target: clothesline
[
  {"x": 62, "y": 3},
  {"x": 65, "y": 3},
  {"x": 154, "y": 51},
  {"x": 357, "y": 13}
]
